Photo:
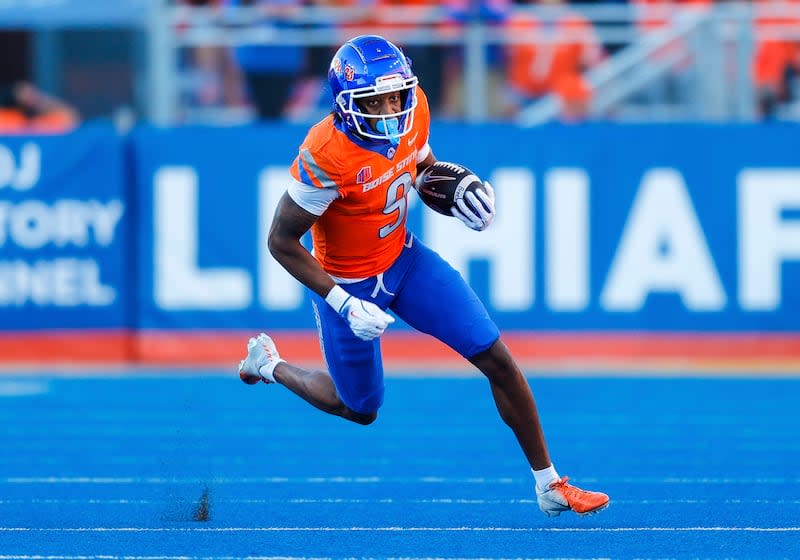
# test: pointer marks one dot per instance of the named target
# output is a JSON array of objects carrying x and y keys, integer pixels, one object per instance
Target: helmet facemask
[{"x": 390, "y": 126}]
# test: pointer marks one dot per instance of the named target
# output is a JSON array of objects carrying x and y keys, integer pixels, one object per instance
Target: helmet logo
[
  {"x": 337, "y": 65},
  {"x": 349, "y": 73}
]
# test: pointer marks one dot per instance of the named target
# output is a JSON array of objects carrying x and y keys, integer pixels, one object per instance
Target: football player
[{"x": 351, "y": 181}]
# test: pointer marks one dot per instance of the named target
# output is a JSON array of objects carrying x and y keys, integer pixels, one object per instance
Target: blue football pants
[{"x": 423, "y": 290}]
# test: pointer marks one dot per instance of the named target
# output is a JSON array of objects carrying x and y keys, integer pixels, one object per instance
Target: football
[{"x": 443, "y": 183}]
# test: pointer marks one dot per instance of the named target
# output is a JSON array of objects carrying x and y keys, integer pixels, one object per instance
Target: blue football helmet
[{"x": 370, "y": 65}]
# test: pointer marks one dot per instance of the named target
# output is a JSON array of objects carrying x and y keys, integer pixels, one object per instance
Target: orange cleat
[{"x": 562, "y": 496}]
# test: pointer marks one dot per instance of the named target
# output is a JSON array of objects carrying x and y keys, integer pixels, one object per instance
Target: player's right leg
[
  {"x": 353, "y": 385},
  {"x": 263, "y": 363},
  {"x": 260, "y": 362}
]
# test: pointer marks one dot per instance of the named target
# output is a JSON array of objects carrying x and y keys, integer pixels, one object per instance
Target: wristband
[{"x": 337, "y": 297}]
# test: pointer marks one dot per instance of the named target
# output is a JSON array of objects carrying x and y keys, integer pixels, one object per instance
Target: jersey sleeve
[
  {"x": 317, "y": 164},
  {"x": 311, "y": 199}
]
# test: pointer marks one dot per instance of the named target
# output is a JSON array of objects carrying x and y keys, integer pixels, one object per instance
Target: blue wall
[{"x": 611, "y": 227}]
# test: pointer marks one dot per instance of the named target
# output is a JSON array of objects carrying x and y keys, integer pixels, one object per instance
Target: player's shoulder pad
[{"x": 321, "y": 156}]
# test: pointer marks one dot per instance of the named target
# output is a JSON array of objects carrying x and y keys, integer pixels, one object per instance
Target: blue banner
[
  {"x": 599, "y": 227},
  {"x": 64, "y": 254}
]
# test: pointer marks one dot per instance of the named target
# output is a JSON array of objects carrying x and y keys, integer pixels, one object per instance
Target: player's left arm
[
  {"x": 429, "y": 160},
  {"x": 475, "y": 211},
  {"x": 425, "y": 157}
]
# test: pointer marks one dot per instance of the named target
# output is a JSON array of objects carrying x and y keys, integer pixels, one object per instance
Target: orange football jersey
[{"x": 362, "y": 232}]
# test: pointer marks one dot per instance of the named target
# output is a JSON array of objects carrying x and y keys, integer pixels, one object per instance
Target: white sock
[
  {"x": 268, "y": 370},
  {"x": 545, "y": 477}
]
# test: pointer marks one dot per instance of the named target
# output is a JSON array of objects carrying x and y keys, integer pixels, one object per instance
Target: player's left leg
[
  {"x": 436, "y": 300},
  {"x": 517, "y": 408},
  {"x": 514, "y": 401}
]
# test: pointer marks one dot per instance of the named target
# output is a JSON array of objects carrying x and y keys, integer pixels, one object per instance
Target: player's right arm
[{"x": 291, "y": 222}]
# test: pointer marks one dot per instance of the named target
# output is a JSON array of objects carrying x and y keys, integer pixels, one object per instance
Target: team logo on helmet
[
  {"x": 337, "y": 65},
  {"x": 349, "y": 72}
]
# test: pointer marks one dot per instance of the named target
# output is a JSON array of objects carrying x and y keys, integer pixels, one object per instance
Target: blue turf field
[{"x": 115, "y": 467}]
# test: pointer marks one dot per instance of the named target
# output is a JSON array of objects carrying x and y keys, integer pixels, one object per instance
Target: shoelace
[
  {"x": 560, "y": 482},
  {"x": 566, "y": 489}
]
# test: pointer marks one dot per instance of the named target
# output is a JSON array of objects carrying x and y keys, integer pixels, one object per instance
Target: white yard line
[{"x": 400, "y": 529}]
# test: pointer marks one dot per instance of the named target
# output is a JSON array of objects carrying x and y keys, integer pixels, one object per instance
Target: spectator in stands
[
  {"x": 24, "y": 109},
  {"x": 566, "y": 45},
  {"x": 270, "y": 71},
  {"x": 575, "y": 96},
  {"x": 776, "y": 62},
  {"x": 460, "y": 13}
]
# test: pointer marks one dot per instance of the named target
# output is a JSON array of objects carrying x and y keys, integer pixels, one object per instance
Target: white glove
[
  {"x": 366, "y": 320},
  {"x": 478, "y": 214}
]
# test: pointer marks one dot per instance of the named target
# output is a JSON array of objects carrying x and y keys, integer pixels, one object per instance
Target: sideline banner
[
  {"x": 599, "y": 227},
  {"x": 64, "y": 253}
]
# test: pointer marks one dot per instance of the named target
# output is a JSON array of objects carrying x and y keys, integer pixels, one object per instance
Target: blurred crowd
[
  {"x": 288, "y": 81},
  {"x": 535, "y": 49}
]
